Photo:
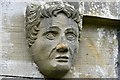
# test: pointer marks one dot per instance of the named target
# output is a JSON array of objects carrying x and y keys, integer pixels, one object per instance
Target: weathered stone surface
[
  {"x": 102, "y": 9},
  {"x": 101, "y": 43},
  {"x": 98, "y": 52},
  {"x": 14, "y": 59}
]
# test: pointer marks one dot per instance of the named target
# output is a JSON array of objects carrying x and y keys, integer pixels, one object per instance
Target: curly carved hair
[{"x": 35, "y": 13}]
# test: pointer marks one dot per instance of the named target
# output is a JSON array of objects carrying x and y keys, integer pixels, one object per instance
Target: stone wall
[{"x": 98, "y": 47}]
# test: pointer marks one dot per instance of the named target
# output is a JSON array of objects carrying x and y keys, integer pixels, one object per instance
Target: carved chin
[{"x": 56, "y": 70}]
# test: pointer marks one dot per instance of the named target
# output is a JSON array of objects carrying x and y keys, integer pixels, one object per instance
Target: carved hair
[{"x": 35, "y": 13}]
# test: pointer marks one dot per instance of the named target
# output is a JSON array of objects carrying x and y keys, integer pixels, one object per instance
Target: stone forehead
[{"x": 60, "y": 20}]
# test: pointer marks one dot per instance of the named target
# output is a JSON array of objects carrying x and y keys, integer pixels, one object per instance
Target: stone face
[
  {"x": 53, "y": 37},
  {"x": 56, "y": 57},
  {"x": 98, "y": 45}
]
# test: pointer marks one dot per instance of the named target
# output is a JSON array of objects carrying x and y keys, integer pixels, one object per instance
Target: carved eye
[
  {"x": 51, "y": 35},
  {"x": 70, "y": 36}
]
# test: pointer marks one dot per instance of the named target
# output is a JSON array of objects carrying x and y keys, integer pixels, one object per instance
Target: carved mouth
[{"x": 62, "y": 59}]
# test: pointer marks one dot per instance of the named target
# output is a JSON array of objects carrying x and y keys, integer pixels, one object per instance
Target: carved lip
[{"x": 62, "y": 59}]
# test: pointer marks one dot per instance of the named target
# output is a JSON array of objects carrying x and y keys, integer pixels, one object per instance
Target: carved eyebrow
[
  {"x": 53, "y": 28},
  {"x": 71, "y": 30}
]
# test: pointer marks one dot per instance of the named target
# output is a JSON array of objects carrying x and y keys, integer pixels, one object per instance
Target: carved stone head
[{"x": 53, "y": 36}]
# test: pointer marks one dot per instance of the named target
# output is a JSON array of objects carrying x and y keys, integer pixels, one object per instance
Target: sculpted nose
[{"x": 62, "y": 48}]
